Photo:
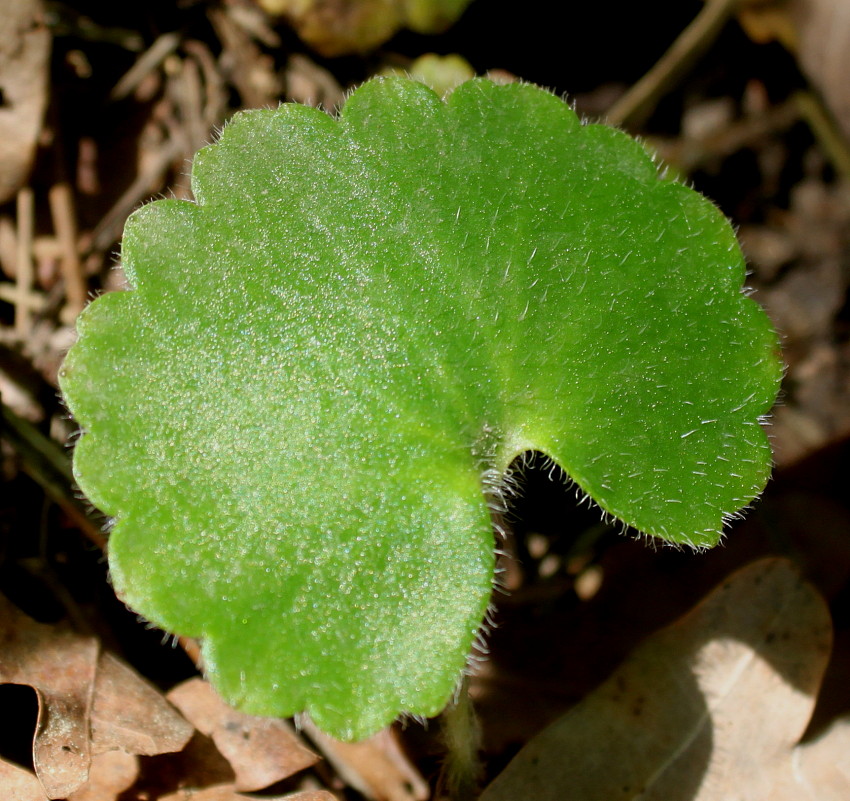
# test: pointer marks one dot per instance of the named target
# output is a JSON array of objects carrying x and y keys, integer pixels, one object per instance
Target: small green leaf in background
[
  {"x": 441, "y": 73},
  {"x": 358, "y": 26},
  {"x": 323, "y": 362}
]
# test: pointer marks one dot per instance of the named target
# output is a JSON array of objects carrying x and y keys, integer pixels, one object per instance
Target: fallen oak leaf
[
  {"x": 110, "y": 774},
  {"x": 376, "y": 767},
  {"x": 311, "y": 795},
  {"x": 60, "y": 665},
  {"x": 219, "y": 792},
  {"x": 89, "y": 701},
  {"x": 130, "y": 714},
  {"x": 261, "y": 751},
  {"x": 227, "y": 792},
  {"x": 198, "y": 765},
  {"x": 19, "y": 784},
  {"x": 708, "y": 709},
  {"x": 822, "y": 766}
]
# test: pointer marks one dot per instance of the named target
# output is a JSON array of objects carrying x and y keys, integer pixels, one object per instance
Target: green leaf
[{"x": 296, "y": 413}]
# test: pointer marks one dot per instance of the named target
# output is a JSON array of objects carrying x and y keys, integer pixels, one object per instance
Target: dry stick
[
  {"x": 689, "y": 154},
  {"x": 184, "y": 90},
  {"x": 24, "y": 299},
  {"x": 638, "y": 103},
  {"x": 163, "y": 47},
  {"x": 182, "y": 123},
  {"x": 215, "y": 94},
  {"x": 805, "y": 106},
  {"x": 252, "y": 20},
  {"x": 108, "y": 230},
  {"x": 256, "y": 86},
  {"x": 65, "y": 225},
  {"x": 826, "y": 130},
  {"x": 46, "y": 463},
  {"x": 60, "y": 198}
]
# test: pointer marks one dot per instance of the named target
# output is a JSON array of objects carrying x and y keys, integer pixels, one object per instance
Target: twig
[
  {"x": 215, "y": 95},
  {"x": 825, "y": 129},
  {"x": 146, "y": 63},
  {"x": 23, "y": 266},
  {"x": 637, "y": 104},
  {"x": 28, "y": 302},
  {"x": 307, "y": 82},
  {"x": 688, "y": 154},
  {"x": 255, "y": 22},
  {"x": 108, "y": 230},
  {"x": 46, "y": 463},
  {"x": 250, "y": 71},
  {"x": 185, "y": 92},
  {"x": 65, "y": 225}
]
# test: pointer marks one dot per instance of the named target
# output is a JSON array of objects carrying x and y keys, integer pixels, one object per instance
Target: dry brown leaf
[
  {"x": 221, "y": 792},
  {"x": 19, "y": 784},
  {"x": 197, "y": 766},
  {"x": 376, "y": 767},
  {"x": 89, "y": 702},
  {"x": 226, "y": 792},
  {"x": 818, "y": 31},
  {"x": 822, "y": 769},
  {"x": 823, "y": 49},
  {"x": 60, "y": 666},
  {"x": 710, "y": 708},
  {"x": 111, "y": 773},
  {"x": 261, "y": 751},
  {"x": 132, "y": 715},
  {"x": 24, "y": 70}
]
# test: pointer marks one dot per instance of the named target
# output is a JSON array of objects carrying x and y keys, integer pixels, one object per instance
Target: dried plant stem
[
  {"x": 461, "y": 733},
  {"x": 638, "y": 103},
  {"x": 25, "y": 299},
  {"x": 47, "y": 464},
  {"x": 826, "y": 130},
  {"x": 61, "y": 200}
]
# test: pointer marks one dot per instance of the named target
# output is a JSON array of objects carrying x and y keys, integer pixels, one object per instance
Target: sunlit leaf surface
[{"x": 291, "y": 414}]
